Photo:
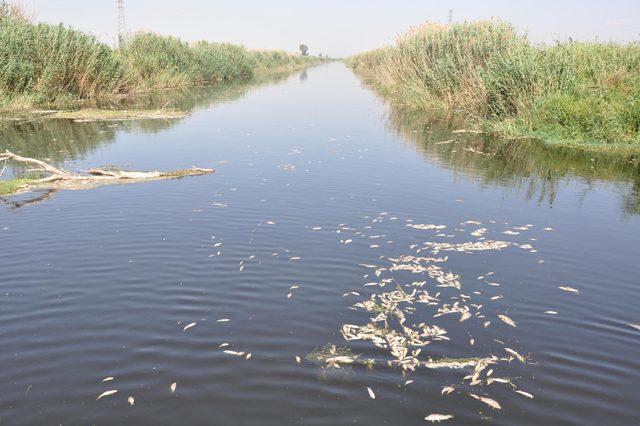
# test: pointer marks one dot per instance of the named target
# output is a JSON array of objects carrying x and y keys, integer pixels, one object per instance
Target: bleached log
[{"x": 62, "y": 179}]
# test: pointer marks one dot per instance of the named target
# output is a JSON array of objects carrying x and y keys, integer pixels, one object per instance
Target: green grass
[
  {"x": 10, "y": 186},
  {"x": 584, "y": 93},
  {"x": 42, "y": 64}
]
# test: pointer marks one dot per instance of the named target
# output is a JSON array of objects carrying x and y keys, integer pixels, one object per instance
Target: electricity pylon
[{"x": 122, "y": 24}]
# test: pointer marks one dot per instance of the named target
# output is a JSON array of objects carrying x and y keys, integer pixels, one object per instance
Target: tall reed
[
  {"x": 45, "y": 64},
  {"x": 573, "y": 91},
  {"x": 53, "y": 61}
]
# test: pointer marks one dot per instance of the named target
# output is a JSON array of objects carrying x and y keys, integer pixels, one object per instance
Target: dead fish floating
[
  {"x": 433, "y": 418},
  {"x": 390, "y": 326},
  {"x": 507, "y": 320},
  {"x": 107, "y": 393},
  {"x": 515, "y": 354},
  {"x": 527, "y": 394},
  {"x": 447, "y": 390},
  {"x": 371, "y": 394},
  {"x": 490, "y": 402}
]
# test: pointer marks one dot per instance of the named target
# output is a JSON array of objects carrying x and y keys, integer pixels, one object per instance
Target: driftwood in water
[{"x": 62, "y": 179}]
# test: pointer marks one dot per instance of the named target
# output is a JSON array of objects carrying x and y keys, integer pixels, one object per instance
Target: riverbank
[
  {"x": 582, "y": 95},
  {"x": 54, "y": 66}
]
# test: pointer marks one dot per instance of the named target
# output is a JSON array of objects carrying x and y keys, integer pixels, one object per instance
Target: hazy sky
[{"x": 339, "y": 27}]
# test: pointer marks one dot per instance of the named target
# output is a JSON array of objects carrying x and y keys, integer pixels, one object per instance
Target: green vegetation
[
  {"x": 579, "y": 93},
  {"x": 43, "y": 64},
  {"x": 10, "y": 186}
]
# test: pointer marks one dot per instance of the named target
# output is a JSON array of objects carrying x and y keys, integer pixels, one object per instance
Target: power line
[{"x": 122, "y": 24}]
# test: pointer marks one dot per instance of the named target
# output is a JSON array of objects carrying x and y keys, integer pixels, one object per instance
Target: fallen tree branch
[
  {"x": 43, "y": 166},
  {"x": 62, "y": 179}
]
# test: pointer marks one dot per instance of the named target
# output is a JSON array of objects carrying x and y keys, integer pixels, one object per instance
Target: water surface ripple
[{"x": 102, "y": 283}]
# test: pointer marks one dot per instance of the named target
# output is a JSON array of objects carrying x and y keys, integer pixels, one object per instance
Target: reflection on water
[
  {"x": 527, "y": 165},
  {"x": 61, "y": 140},
  {"x": 315, "y": 208},
  {"x": 24, "y": 200}
]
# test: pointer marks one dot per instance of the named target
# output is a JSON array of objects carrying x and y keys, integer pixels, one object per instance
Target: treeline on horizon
[
  {"x": 582, "y": 93},
  {"x": 43, "y": 64}
]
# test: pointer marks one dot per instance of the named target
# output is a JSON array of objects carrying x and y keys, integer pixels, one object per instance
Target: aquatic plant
[{"x": 584, "y": 92}]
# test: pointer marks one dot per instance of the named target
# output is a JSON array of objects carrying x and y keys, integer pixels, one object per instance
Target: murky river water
[{"x": 318, "y": 185}]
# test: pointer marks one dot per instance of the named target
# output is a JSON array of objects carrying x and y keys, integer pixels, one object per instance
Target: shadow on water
[{"x": 527, "y": 165}]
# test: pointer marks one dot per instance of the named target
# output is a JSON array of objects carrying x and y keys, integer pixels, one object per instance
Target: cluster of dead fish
[
  {"x": 131, "y": 400},
  {"x": 389, "y": 327}
]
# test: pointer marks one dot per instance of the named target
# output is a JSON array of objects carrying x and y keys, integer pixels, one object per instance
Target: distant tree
[{"x": 304, "y": 50}]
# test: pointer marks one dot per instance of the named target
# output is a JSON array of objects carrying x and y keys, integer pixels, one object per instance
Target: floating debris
[
  {"x": 479, "y": 232},
  {"x": 570, "y": 290},
  {"x": 527, "y": 394},
  {"x": 131, "y": 401},
  {"x": 490, "y": 402},
  {"x": 469, "y": 246},
  {"x": 173, "y": 387},
  {"x": 453, "y": 363},
  {"x": 187, "y": 327},
  {"x": 426, "y": 227},
  {"x": 333, "y": 356},
  {"x": 107, "y": 393},
  {"x": 438, "y": 417},
  {"x": 107, "y": 379},
  {"x": 507, "y": 320},
  {"x": 516, "y": 354},
  {"x": 371, "y": 394},
  {"x": 447, "y": 390},
  {"x": 398, "y": 310}
]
